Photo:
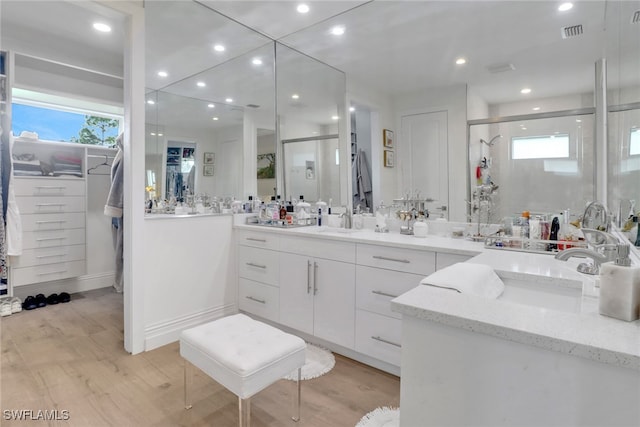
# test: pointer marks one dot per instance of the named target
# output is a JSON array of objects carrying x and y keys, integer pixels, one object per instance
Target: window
[
  {"x": 540, "y": 147},
  {"x": 56, "y": 118},
  {"x": 634, "y": 142}
]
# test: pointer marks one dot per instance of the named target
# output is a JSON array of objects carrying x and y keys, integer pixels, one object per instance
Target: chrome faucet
[
  {"x": 347, "y": 218},
  {"x": 584, "y": 267}
]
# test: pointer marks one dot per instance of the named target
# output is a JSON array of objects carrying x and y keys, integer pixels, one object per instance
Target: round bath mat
[
  {"x": 381, "y": 417},
  {"x": 318, "y": 361}
]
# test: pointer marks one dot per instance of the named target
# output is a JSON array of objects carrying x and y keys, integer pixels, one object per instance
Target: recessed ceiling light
[
  {"x": 201, "y": 84},
  {"x": 229, "y": 100},
  {"x": 159, "y": 134},
  {"x": 536, "y": 108},
  {"x": 565, "y": 6},
  {"x": 524, "y": 128},
  {"x": 338, "y": 30},
  {"x": 153, "y": 134},
  {"x": 302, "y": 8},
  {"x": 525, "y": 90},
  {"x": 335, "y": 117},
  {"x": 218, "y": 48},
  {"x": 150, "y": 101},
  {"x": 578, "y": 121},
  {"x": 215, "y": 118},
  {"x": 461, "y": 61},
  {"x": 102, "y": 27},
  {"x": 256, "y": 61},
  {"x": 352, "y": 109},
  {"x": 295, "y": 96},
  {"x": 163, "y": 74},
  {"x": 210, "y": 105}
]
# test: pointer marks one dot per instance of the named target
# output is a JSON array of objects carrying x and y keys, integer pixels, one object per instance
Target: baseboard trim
[
  {"x": 72, "y": 285},
  {"x": 166, "y": 332}
]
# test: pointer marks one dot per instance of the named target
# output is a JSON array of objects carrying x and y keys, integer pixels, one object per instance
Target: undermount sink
[{"x": 543, "y": 294}]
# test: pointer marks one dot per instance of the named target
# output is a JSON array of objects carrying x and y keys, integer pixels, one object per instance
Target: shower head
[{"x": 491, "y": 141}]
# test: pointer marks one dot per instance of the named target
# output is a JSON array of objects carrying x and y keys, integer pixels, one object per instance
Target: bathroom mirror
[
  {"x": 311, "y": 116},
  {"x": 210, "y": 98}
]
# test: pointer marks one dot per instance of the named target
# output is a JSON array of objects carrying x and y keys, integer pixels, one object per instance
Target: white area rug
[
  {"x": 318, "y": 361},
  {"x": 381, "y": 417}
]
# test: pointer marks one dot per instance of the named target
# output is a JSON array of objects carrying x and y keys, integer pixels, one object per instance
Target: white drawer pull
[
  {"x": 52, "y": 272},
  {"x": 253, "y": 239},
  {"x": 51, "y": 187},
  {"x": 384, "y": 294},
  {"x": 50, "y": 256},
  {"x": 51, "y": 204},
  {"x": 405, "y": 261},
  {"x": 386, "y": 341},
  {"x": 42, "y": 239},
  {"x": 250, "y": 264},
  {"x": 51, "y": 222},
  {"x": 261, "y": 301}
]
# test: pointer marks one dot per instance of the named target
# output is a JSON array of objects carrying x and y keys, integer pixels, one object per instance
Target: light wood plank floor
[{"x": 71, "y": 357}]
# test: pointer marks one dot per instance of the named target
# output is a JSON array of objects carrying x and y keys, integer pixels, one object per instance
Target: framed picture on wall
[
  {"x": 207, "y": 170},
  {"x": 209, "y": 158},
  {"x": 387, "y": 138},
  {"x": 389, "y": 160}
]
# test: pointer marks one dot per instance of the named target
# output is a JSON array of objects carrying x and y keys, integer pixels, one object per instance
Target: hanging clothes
[
  {"x": 362, "y": 187},
  {"x": 5, "y": 175},
  {"x": 114, "y": 209},
  {"x": 14, "y": 221}
]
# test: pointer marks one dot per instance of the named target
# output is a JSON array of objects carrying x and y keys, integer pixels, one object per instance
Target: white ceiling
[{"x": 394, "y": 47}]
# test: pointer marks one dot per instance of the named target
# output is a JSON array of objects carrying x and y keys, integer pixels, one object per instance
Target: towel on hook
[{"x": 467, "y": 278}]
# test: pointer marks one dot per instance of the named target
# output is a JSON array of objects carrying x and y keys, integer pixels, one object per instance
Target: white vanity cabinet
[
  {"x": 317, "y": 288},
  {"x": 258, "y": 273}
]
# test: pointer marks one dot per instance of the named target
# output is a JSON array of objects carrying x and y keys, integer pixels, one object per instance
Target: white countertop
[{"x": 585, "y": 334}]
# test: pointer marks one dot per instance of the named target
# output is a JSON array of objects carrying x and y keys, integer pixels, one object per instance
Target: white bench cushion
[{"x": 242, "y": 354}]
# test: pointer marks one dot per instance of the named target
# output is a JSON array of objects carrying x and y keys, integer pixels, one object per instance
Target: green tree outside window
[{"x": 94, "y": 130}]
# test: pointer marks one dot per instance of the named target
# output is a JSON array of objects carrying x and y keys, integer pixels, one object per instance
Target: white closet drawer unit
[
  {"x": 49, "y": 187},
  {"x": 319, "y": 248},
  {"x": 46, "y": 273},
  {"x": 50, "y": 204},
  {"x": 407, "y": 260},
  {"x": 50, "y": 238},
  {"x": 56, "y": 221},
  {"x": 261, "y": 265},
  {"x": 258, "y": 239},
  {"x": 375, "y": 288},
  {"x": 259, "y": 299},
  {"x": 379, "y": 336},
  {"x": 52, "y": 255},
  {"x": 444, "y": 260}
]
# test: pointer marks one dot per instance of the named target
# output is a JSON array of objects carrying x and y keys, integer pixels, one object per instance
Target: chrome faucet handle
[{"x": 597, "y": 238}]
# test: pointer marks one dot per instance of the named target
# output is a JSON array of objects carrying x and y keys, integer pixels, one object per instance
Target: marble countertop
[{"x": 584, "y": 334}]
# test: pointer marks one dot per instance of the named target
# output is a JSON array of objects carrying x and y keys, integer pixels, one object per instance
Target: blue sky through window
[{"x": 49, "y": 124}]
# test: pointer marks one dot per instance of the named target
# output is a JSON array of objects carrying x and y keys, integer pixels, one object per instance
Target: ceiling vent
[
  {"x": 252, "y": 106},
  {"x": 500, "y": 68},
  {"x": 636, "y": 17},
  {"x": 572, "y": 31}
]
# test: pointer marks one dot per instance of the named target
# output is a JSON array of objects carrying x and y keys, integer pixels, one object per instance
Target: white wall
[{"x": 189, "y": 274}]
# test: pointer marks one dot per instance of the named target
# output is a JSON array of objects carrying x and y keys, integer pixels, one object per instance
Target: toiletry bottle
[
  {"x": 620, "y": 287},
  {"x": 319, "y": 217},
  {"x": 248, "y": 207},
  {"x": 283, "y": 212}
]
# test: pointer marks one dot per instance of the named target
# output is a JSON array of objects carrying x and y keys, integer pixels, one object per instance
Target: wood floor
[{"x": 71, "y": 357}]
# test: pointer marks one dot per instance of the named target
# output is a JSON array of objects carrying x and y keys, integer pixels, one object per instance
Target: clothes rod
[{"x": 101, "y": 156}]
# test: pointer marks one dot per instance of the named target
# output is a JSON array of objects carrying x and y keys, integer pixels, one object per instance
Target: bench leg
[
  {"x": 296, "y": 398},
  {"x": 244, "y": 409},
  {"x": 188, "y": 381}
]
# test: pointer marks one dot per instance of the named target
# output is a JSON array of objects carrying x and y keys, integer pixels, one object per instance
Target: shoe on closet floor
[
  {"x": 41, "y": 300},
  {"x": 53, "y": 299},
  {"x": 29, "y": 303},
  {"x": 16, "y": 305},
  {"x": 64, "y": 297}
]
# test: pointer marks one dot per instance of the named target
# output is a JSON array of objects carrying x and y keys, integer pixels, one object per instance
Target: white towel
[{"x": 467, "y": 278}]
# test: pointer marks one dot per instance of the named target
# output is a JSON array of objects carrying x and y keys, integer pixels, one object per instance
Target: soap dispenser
[{"x": 620, "y": 287}]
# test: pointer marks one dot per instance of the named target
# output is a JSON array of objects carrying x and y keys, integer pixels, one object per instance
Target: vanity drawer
[
  {"x": 259, "y": 299},
  {"x": 375, "y": 288},
  {"x": 319, "y": 248},
  {"x": 50, "y": 204},
  {"x": 52, "y": 255},
  {"x": 50, "y": 238},
  {"x": 55, "y": 221},
  {"x": 398, "y": 259},
  {"x": 261, "y": 265},
  {"x": 258, "y": 240},
  {"x": 45, "y": 273},
  {"x": 379, "y": 336},
  {"x": 48, "y": 187},
  {"x": 444, "y": 259}
]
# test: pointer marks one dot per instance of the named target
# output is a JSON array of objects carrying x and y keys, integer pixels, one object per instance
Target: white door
[
  {"x": 424, "y": 153},
  {"x": 296, "y": 292}
]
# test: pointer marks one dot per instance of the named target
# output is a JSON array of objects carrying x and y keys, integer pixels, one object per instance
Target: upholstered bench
[{"x": 244, "y": 355}]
